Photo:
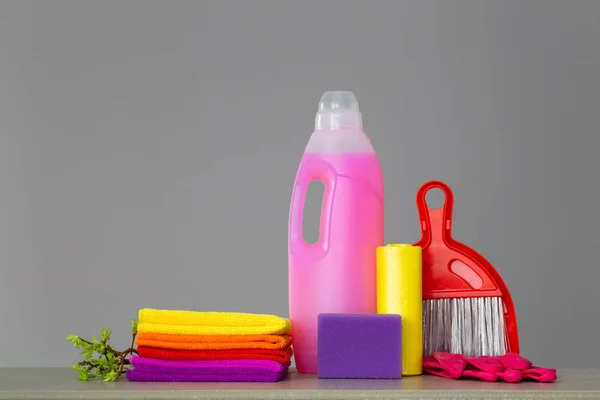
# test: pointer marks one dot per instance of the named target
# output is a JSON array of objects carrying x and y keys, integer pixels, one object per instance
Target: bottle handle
[{"x": 315, "y": 170}]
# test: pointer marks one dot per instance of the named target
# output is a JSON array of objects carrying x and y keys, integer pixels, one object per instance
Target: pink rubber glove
[
  {"x": 492, "y": 369},
  {"x": 508, "y": 368},
  {"x": 433, "y": 367},
  {"x": 540, "y": 374},
  {"x": 485, "y": 363},
  {"x": 445, "y": 365},
  {"x": 481, "y": 375},
  {"x": 514, "y": 361},
  {"x": 485, "y": 368},
  {"x": 510, "y": 375}
]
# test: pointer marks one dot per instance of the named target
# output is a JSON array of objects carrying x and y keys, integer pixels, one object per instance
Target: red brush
[{"x": 467, "y": 308}]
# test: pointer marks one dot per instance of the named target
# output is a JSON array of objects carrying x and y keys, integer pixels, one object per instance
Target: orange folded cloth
[
  {"x": 212, "y": 342},
  {"x": 282, "y": 356}
]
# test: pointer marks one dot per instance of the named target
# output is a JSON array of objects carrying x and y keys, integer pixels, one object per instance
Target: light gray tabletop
[{"x": 61, "y": 383}]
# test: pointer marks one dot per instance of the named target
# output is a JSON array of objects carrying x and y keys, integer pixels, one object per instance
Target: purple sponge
[{"x": 359, "y": 346}]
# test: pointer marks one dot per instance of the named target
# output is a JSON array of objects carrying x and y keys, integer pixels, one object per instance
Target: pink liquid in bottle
[{"x": 337, "y": 274}]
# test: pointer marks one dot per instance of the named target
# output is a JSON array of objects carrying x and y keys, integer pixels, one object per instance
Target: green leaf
[
  {"x": 83, "y": 376},
  {"x": 134, "y": 326},
  {"x": 94, "y": 339},
  {"x": 105, "y": 335},
  {"x": 75, "y": 340},
  {"x": 111, "y": 376}
]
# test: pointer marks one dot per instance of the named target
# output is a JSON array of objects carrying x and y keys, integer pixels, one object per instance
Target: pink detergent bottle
[{"x": 337, "y": 274}]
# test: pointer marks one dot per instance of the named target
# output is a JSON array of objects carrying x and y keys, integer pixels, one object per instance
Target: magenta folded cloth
[{"x": 155, "y": 370}]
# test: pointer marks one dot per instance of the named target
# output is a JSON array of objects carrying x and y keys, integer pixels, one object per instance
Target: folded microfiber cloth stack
[{"x": 195, "y": 346}]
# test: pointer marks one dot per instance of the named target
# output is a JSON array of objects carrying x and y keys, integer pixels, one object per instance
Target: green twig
[{"x": 109, "y": 364}]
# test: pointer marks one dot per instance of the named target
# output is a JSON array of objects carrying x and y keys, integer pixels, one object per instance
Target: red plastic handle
[{"x": 436, "y": 224}]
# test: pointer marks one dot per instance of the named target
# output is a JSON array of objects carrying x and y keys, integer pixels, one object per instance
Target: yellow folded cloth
[{"x": 211, "y": 323}]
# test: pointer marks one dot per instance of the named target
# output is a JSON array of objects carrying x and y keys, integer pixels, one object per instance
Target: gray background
[{"x": 148, "y": 151}]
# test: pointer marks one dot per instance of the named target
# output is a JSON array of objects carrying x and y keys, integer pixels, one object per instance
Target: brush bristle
[{"x": 469, "y": 326}]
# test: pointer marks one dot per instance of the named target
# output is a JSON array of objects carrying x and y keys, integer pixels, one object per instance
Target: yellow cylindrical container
[{"x": 400, "y": 291}]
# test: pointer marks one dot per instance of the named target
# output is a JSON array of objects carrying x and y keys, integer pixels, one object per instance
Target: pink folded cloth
[
  {"x": 155, "y": 370},
  {"x": 508, "y": 368}
]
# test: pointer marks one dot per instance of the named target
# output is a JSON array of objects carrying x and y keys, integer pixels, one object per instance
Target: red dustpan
[{"x": 467, "y": 307}]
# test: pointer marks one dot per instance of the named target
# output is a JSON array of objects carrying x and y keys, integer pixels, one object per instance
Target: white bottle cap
[
  {"x": 338, "y": 110},
  {"x": 339, "y": 100}
]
